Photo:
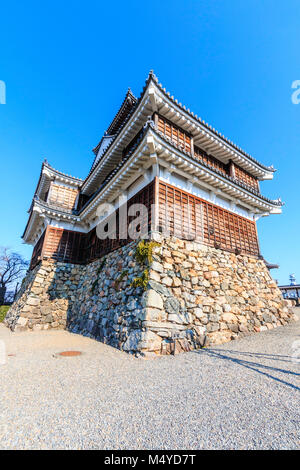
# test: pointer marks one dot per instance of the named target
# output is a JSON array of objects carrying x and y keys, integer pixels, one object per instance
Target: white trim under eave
[
  {"x": 257, "y": 203},
  {"x": 148, "y": 98},
  {"x": 163, "y": 146},
  {"x": 134, "y": 118},
  {"x": 49, "y": 175},
  {"x": 138, "y": 154}
]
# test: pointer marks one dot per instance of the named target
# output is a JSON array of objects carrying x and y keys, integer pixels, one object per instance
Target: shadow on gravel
[
  {"x": 255, "y": 366},
  {"x": 270, "y": 357}
]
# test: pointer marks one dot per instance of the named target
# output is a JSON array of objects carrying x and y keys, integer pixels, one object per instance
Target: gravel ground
[{"x": 242, "y": 395}]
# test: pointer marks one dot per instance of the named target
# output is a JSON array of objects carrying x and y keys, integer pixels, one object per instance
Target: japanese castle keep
[{"x": 196, "y": 277}]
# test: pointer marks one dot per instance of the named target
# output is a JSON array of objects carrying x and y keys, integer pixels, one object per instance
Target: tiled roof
[
  {"x": 116, "y": 169},
  {"x": 215, "y": 170},
  {"x": 125, "y": 108},
  {"x": 207, "y": 126},
  {"x": 126, "y": 116},
  {"x": 122, "y": 125},
  {"x": 60, "y": 173},
  {"x": 154, "y": 129}
]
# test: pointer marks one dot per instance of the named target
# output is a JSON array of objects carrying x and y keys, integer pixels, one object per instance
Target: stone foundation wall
[
  {"x": 107, "y": 307},
  {"x": 196, "y": 295},
  {"x": 46, "y": 296},
  {"x": 96, "y": 300},
  {"x": 213, "y": 294}
]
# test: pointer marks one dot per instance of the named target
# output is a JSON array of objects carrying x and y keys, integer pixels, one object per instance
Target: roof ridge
[
  {"x": 277, "y": 202},
  {"x": 208, "y": 126},
  {"x": 47, "y": 164},
  {"x": 150, "y": 125},
  {"x": 152, "y": 76},
  {"x": 128, "y": 97}
]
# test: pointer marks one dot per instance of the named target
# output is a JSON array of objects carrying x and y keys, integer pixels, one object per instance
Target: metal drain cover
[{"x": 70, "y": 353}]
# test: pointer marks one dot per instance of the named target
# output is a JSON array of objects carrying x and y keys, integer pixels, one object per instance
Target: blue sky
[{"x": 67, "y": 66}]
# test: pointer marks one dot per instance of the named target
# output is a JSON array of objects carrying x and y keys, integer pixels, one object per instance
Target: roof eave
[
  {"x": 118, "y": 171},
  {"x": 274, "y": 205},
  {"x": 111, "y": 128},
  {"x": 208, "y": 127}
]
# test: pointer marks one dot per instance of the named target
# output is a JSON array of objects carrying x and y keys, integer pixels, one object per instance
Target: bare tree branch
[{"x": 12, "y": 269}]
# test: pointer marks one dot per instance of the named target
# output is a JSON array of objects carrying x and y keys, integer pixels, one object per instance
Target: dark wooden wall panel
[
  {"x": 205, "y": 222},
  {"x": 209, "y": 160},
  {"x": 184, "y": 140},
  {"x": 96, "y": 248},
  {"x": 63, "y": 245},
  {"x": 79, "y": 248},
  {"x": 185, "y": 215},
  {"x": 180, "y": 138},
  {"x": 243, "y": 176},
  {"x": 62, "y": 196},
  {"x": 37, "y": 251}
]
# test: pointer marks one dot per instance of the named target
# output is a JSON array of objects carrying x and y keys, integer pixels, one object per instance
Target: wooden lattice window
[
  {"x": 62, "y": 196},
  {"x": 243, "y": 176},
  {"x": 96, "y": 248},
  {"x": 37, "y": 251},
  {"x": 206, "y": 222},
  {"x": 63, "y": 245},
  {"x": 209, "y": 160},
  {"x": 177, "y": 135}
]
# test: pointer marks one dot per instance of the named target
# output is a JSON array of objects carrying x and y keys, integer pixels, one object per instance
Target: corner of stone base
[
  {"x": 198, "y": 295},
  {"x": 44, "y": 298}
]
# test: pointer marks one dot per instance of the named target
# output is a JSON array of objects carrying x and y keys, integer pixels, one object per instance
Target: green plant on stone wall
[
  {"x": 120, "y": 278},
  {"x": 98, "y": 272},
  {"x": 94, "y": 286},
  {"x": 144, "y": 251},
  {"x": 144, "y": 256},
  {"x": 142, "y": 280},
  {"x": 101, "y": 266}
]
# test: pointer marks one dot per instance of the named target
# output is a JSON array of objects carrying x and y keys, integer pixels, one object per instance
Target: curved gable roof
[{"x": 129, "y": 102}]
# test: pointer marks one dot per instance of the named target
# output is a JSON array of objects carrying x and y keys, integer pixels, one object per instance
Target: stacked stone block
[{"x": 196, "y": 296}]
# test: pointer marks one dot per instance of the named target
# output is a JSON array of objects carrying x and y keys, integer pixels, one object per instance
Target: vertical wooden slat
[{"x": 222, "y": 228}]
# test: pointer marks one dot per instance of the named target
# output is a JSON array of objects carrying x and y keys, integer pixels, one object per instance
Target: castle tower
[{"x": 203, "y": 278}]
